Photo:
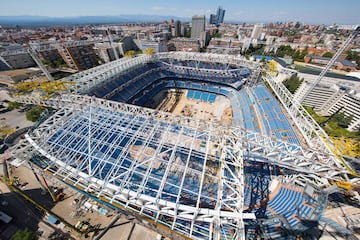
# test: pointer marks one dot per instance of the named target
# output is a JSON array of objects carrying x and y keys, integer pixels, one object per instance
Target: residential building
[
  {"x": 157, "y": 46},
  {"x": 79, "y": 55},
  {"x": 340, "y": 64},
  {"x": 256, "y": 32},
  {"x": 184, "y": 45},
  {"x": 105, "y": 51}
]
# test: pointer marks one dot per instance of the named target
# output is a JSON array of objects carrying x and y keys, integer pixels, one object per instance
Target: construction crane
[
  {"x": 5, "y": 62},
  {"x": 36, "y": 58},
  {"x": 111, "y": 45},
  {"x": 333, "y": 60}
]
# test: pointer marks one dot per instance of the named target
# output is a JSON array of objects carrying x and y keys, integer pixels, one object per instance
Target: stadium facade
[{"x": 199, "y": 178}]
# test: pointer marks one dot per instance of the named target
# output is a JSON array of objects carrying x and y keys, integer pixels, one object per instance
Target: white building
[{"x": 331, "y": 95}]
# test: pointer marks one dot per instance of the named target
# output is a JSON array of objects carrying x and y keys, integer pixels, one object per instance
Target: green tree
[
  {"x": 24, "y": 234},
  {"x": 353, "y": 56},
  {"x": 217, "y": 35},
  {"x": 14, "y": 105},
  {"x": 293, "y": 83},
  {"x": 341, "y": 120},
  {"x": 34, "y": 113},
  {"x": 328, "y": 55}
]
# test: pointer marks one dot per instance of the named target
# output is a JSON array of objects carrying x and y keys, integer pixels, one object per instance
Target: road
[{"x": 24, "y": 214}]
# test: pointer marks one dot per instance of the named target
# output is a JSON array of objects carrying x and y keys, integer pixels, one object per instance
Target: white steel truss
[
  {"x": 182, "y": 172},
  {"x": 85, "y": 80},
  {"x": 263, "y": 147},
  {"x": 313, "y": 133}
]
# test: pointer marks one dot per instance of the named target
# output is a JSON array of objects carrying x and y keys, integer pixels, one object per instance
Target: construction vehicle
[{"x": 83, "y": 226}]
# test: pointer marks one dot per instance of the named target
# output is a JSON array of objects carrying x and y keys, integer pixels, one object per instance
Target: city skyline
[{"x": 313, "y": 12}]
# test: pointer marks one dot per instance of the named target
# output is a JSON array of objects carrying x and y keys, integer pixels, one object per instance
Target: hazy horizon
[{"x": 307, "y": 11}]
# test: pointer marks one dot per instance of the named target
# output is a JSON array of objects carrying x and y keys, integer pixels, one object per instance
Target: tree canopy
[
  {"x": 328, "y": 55},
  {"x": 293, "y": 83},
  {"x": 14, "y": 105},
  {"x": 149, "y": 51},
  {"x": 34, "y": 113},
  {"x": 342, "y": 120},
  {"x": 24, "y": 234},
  {"x": 354, "y": 56},
  {"x": 130, "y": 53}
]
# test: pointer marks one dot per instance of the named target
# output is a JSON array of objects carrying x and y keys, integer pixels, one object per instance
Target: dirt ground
[{"x": 219, "y": 111}]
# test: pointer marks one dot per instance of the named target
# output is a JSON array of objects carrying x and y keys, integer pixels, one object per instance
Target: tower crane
[
  {"x": 5, "y": 62},
  {"x": 36, "y": 58},
  {"x": 111, "y": 44},
  {"x": 352, "y": 36}
]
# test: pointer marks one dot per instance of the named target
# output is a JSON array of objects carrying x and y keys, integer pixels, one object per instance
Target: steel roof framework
[
  {"x": 74, "y": 137},
  {"x": 81, "y": 139}
]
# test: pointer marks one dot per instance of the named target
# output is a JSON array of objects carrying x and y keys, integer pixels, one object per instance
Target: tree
[
  {"x": 353, "y": 56},
  {"x": 293, "y": 83},
  {"x": 130, "y": 53},
  {"x": 341, "y": 120},
  {"x": 34, "y": 113},
  {"x": 272, "y": 66},
  {"x": 328, "y": 55},
  {"x": 217, "y": 35},
  {"x": 24, "y": 234},
  {"x": 14, "y": 105},
  {"x": 149, "y": 51}
]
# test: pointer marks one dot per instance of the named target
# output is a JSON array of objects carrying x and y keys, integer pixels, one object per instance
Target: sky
[{"x": 307, "y": 11}]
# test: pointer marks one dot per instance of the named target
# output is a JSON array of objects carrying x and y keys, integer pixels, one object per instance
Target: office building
[
  {"x": 212, "y": 19},
  {"x": 331, "y": 95},
  {"x": 197, "y": 26},
  {"x": 220, "y": 15},
  {"x": 217, "y": 18},
  {"x": 177, "y": 28}
]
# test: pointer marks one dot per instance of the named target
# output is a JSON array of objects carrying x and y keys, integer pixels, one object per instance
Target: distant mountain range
[{"x": 48, "y": 21}]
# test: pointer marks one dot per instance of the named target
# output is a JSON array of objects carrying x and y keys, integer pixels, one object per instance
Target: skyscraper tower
[
  {"x": 197, "y": 26},
  {"x": 212, "y": 19},
  {"x": 217, "y": 18},
  {"x": 220, "y": 14},
  {"x": 177, "y": 28}
]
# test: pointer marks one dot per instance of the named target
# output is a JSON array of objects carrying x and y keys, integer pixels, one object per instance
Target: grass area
[
  {"x": 335, "y": 131},
  {"x": 301, "y": 67}
]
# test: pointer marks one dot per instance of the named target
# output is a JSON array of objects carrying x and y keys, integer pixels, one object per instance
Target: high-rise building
[
  {"x": 256, "y": 32},
  {"x": 197, "y": 26},
  {"x": 217, "y": 18},
  {"x": 177, "y": 28},
  {"x": 212, "y": 19},
  {"x": 220, "y": 14}
]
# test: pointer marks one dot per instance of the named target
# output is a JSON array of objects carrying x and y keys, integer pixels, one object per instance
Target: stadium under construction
[{"x": 266, "y": 173}]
